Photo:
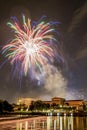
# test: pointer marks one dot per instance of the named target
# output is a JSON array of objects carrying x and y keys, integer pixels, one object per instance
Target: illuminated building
[
  {"x": 75, "y": 103},
  {"x": 25, "y": 101},
  {"x": 56, "y": 100}
]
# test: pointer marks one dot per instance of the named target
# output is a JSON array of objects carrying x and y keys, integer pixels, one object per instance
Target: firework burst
[{"x": 32, "y": 46}]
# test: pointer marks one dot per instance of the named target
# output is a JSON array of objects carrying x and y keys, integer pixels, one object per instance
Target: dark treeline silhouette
[
  {"x": 38, "y": 105},
  {"x": 5, "y": 107}
]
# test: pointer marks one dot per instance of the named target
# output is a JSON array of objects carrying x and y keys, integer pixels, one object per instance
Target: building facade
[
  {"x": 75, "y": 103},
  {"x": 56, "y": 100},
  {"x": 25, "y": 101}
]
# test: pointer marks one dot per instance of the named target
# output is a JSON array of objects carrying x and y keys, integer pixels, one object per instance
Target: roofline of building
[{"x": 73, "y": 100}]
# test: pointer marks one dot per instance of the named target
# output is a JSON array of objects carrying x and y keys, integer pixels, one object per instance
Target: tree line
[
  {"x": 40, "y": 105},
  {"x": 5, "y": 106}
]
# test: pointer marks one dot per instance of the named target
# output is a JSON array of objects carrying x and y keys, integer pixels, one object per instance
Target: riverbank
[
  {"x": 23, "y": 115},
  {"x": 12, "y": 117},
  {"x": 7, "y": 120}
]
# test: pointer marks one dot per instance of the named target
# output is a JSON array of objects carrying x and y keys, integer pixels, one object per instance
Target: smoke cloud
[{"x": 55, "y": 82}]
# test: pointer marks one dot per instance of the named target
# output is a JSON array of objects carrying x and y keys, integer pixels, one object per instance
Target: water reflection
[
  {"x": 34, "y": 124},
  {"x": 47, "y": 123}
]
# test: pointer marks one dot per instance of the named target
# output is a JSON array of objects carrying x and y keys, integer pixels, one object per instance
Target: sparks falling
[{"x": 32, "y": 48}]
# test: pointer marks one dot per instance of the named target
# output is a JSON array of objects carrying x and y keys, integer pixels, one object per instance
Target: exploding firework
[{"x": 32, "y": 47}]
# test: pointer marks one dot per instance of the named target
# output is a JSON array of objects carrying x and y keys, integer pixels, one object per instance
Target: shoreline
[
  {"x": 26, "y": 115},
  {"x": 24, "y": 118}
]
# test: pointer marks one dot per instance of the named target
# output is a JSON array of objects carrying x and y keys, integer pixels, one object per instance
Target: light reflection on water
[{"x": 47, "y": 123}]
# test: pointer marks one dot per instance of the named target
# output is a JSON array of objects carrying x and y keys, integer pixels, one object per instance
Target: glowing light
[{"x": 32, "y": 48}]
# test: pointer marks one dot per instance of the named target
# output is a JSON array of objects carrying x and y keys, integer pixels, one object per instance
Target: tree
[
  {"x": 1, "y": 106},
  {"x": 54, "y": 106},
  {"x": 46, "y": 106},
  {"x": 38, "y": 105},
  {"x": 31, "y": 107},
  {"x": 7, "y": 107}
]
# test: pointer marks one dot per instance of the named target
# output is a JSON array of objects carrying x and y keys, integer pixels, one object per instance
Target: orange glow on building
[{"x": 25, "y": 101}]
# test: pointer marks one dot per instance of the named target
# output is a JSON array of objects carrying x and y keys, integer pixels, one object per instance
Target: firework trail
[{"x": 32, "y": 47}]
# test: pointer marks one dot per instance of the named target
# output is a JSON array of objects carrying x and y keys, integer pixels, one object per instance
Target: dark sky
[{"x": 73, "y": 17}]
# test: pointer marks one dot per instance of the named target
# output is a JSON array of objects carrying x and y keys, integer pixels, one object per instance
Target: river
[{"x": 46, "y": 123}]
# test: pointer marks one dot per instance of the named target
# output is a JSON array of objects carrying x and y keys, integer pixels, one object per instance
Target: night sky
[{"x": 70, "y": 80}]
